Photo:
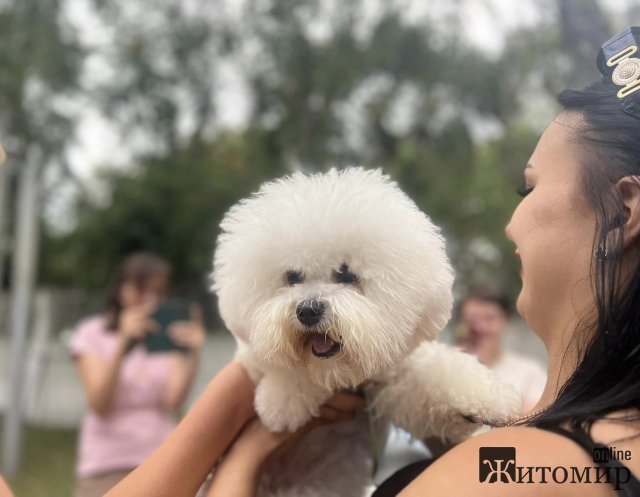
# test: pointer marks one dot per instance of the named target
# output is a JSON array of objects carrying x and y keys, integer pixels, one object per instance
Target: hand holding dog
[
  {"x": 263, "y": 443},
  {"x": 241, "y": 468}
]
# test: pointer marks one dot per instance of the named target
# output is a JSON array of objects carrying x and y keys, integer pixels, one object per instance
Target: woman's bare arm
[
  {"x": 457, "y": 472},
  {"x": 239, "y": 472},
  {"x": 99, "y": 376},
  {"x": 180, "y": 465},
  {"x": 5, "y": 491},
  {"x": 184, "y": 367}
]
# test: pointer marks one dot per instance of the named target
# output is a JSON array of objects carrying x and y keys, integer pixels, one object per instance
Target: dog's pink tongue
[{"x": 321, "y": 343}]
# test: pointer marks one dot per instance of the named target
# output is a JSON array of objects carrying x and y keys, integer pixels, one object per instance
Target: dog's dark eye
[
  {"x": 294, "y": 277},
  {"x": 343, "y": 275}
]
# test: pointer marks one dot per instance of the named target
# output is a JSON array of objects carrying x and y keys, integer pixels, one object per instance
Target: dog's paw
[
  {"x": 441, "y": 392},
  {"x": 478, "y": 398},
  {"x": 284, "y": 405}
]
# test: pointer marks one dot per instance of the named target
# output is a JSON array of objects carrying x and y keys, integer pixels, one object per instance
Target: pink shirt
[{"x": 138, "y": 423}]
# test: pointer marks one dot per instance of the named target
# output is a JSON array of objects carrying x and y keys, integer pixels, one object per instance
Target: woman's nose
[{"x": 507, "y": 231}]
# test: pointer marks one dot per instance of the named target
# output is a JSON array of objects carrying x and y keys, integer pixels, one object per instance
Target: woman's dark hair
[
  {"x": 137, "y": 268},
  {"x": 486, "y": 293},
  {"x": 607, "y": 378}
]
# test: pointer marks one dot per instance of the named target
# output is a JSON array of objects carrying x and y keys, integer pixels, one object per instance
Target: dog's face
[{"x": 338, "y": 273}]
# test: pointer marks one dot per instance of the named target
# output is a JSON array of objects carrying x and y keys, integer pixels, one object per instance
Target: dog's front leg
[
  {"x": 286, "y": 399},
  {"x": 442, "y": 392}
]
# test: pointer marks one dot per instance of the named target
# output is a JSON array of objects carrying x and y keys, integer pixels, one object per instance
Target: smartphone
[{"x": 165, "y": 315}]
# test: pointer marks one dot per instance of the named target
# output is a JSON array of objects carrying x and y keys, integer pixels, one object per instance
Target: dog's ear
[
  {"x": 427, "y": 329},
  {"x": 435, "y": 317}
]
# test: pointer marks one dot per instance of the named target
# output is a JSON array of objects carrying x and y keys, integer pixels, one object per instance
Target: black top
[
  {"x": 628, "y": 489},
  {"x": 393, "y": 485}
]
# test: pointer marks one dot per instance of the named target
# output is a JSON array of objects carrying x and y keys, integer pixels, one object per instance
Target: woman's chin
[{"x": 520, "y": 305}]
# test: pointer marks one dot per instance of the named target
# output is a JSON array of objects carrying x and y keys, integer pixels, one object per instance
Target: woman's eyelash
[{"x": 524, "y": 191}]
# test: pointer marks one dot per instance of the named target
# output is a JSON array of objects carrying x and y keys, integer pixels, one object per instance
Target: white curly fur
[
  {"x": 430, "y": 391},
  {"x": 402, "y": 298}
]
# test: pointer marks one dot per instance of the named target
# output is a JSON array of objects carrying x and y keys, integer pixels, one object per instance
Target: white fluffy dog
[{"x": 328, "y": 281}]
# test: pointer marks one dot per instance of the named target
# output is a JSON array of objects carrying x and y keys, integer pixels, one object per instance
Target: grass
[{"x": 47, "y": 465}]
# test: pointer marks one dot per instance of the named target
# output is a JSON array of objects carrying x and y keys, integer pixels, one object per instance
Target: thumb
[
  {"x": 195, "y": 313},
  {"x": 147, "y": 308}
]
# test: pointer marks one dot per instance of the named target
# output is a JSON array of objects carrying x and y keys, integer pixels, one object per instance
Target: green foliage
[
  {"x": 49, "y": 457},
  {"x": 170, "y": 204},
  {"x": 39, "y": 60},
  {"x": 300, "y": 86}
]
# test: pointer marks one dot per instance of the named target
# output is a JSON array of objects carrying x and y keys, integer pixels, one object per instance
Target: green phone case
[{"x": 165, "y": 315}]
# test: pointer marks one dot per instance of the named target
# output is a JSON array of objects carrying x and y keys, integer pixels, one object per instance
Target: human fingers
[
  {"x": 180, "y": 333},
  {"x": 333, "y": 416},
  {"x": 139, "y": 326},
  {"x": 257, "y": 439},
  {"x": 195, "y": 313},
  {"x": 346, "y": 401},
  {"x": 145, "y": 309},
  {"x": 132, "y": 324},
  {"x": 341, "y": 407},
  {"x": 188, "y": 334},
  {"x": 150, "y": 325}
]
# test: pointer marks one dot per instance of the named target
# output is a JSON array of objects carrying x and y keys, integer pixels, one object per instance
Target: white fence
[{"x": 53, "y": 392}]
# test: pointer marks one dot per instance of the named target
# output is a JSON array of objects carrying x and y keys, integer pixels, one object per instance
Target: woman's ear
[{"x": 629, "y": 188}]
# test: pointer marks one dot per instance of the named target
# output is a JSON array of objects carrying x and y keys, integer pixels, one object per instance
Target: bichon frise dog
[{"x": 332, "y": 280}]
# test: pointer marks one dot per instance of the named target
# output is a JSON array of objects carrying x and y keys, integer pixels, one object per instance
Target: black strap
[
  {"x": 629, "y": 489},
  {"x": 396, "y": 483}
]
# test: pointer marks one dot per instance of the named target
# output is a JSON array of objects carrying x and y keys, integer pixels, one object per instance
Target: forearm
[
  {"x": 5, "y": 491},
  {"x": 180, "y": 465},
  {"x": 102, "y": 396},
  {"x": 237, "y": 475}
]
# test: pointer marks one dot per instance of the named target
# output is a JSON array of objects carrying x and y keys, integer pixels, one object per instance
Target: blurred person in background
[
  {"x": 133, "y": 394},
  {"x": 484, "y": 315}
]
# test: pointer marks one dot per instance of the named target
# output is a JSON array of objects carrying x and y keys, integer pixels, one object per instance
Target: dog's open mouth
[{"x": 322, "y": 345}]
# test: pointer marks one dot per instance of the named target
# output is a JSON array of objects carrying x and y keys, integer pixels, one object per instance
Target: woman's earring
[{"x": 601, "y": 254}]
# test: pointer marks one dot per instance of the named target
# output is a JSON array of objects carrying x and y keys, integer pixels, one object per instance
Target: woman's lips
[{"x": 521, "y": 269}]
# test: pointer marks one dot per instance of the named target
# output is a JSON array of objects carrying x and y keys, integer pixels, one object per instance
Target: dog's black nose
[{"x": 310, "y": 312}]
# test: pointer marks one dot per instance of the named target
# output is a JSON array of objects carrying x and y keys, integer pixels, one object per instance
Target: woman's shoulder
[
  {"x": 511, "y": 462},
  {"x": 89, "y": 334},
  {"x": 95, "y": 324}
]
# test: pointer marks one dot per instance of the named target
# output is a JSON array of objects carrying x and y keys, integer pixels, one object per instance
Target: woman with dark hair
[
  {"x": 132, "y": 394},
  {"x": 577, "y": 233}
]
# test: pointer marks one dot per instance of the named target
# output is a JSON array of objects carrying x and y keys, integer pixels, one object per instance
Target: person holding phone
[
  {"x": 137, "y": 362},
  {"x": 484, "y": 314}
]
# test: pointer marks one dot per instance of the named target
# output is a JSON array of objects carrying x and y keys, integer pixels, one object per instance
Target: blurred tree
[
  {"x": 170, "y": 204},
  {"x": 39, "y": 66},
  {"x": 163, "y": 57},
  {"x": 330, "y": 85},
  {"x": 584, "y": 28},
  {"x": 40, "y": 60}
]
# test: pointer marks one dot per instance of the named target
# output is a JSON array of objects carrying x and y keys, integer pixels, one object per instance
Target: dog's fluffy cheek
[
  {"x": 372, "y": 338},
  {"x": 272, "y": 336}
]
